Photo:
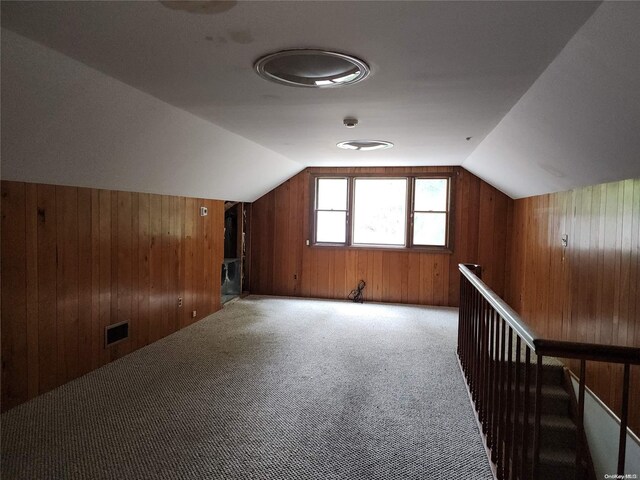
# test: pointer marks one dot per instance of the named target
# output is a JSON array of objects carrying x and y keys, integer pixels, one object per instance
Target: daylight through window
[{"x": 379, "y": 211}]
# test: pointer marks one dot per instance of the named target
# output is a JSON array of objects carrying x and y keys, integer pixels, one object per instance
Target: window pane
[
  {"x": 379, "y": 211},
  {"x": 431, "y": 194},
  {"x": 332, "y": 194},
  {"x": 331, "y": 227},
  {"x": 430, "y": 229}
]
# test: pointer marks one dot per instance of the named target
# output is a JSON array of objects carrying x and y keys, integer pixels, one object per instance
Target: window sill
[{"x": 385, "y": 248}]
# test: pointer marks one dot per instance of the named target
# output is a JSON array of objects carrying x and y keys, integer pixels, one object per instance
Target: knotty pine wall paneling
[
  {"x": 587, "y": 292},
  {"x": 75, "y": 260},
  {"x": 282, "y": 263}
]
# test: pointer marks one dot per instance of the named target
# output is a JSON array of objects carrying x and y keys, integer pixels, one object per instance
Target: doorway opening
[{"x": 233, "y": 275}]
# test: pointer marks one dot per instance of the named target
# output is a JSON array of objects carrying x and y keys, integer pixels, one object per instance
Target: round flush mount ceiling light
[
  {"x": 365, "y": 145},
  {"x": 311, "y": 68}
]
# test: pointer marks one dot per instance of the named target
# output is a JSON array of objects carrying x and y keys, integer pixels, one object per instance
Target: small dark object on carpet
[{"x": 356, "y": 294}]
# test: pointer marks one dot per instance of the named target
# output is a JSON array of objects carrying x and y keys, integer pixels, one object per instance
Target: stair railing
[{"x": 491, "y": 336}]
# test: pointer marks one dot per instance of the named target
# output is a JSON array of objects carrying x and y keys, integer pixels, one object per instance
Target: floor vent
[{"x": 116, "y": 333}]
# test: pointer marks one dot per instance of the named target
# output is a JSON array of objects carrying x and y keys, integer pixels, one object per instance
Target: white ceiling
[
  {"x": 578, "y": 124},
  {"x": 441, "y": 71},
  {"x": 64, "y": 123}
]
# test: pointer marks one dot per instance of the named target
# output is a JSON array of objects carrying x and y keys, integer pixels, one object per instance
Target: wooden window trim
[{"x": 409, "y": 246}]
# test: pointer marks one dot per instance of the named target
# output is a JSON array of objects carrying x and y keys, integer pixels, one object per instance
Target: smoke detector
[{"x": 350, "y": 122}]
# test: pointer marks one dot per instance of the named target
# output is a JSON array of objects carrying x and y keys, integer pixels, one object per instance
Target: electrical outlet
[
  {"x": 193, "y": 314},
  {"x": 565, "y": 240},
  {"x": 295, "y": 276},
  {"x": 203, "y": 211},
  {"x": 179, "y": 301}
]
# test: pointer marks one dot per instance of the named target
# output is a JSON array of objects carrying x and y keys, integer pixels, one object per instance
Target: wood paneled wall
[
  {"x": 282, "y": 263},
  {"x": 587, "y": 292},
  {"x": 75, "y": 260}
]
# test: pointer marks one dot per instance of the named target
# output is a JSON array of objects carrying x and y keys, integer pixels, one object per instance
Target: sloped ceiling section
[
  {"x": 441, "y": 71},
  {"x": 72, "y": 125},
  {"x": 578, "y": 123}
]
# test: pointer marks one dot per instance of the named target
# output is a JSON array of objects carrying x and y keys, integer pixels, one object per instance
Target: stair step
[
  {"x": 558, "y": 456},
  {"x": 551, "y": 374},
  {"x": 559, "y": 433},
  {"x": 551, "y": 421},
  {"x": 556, "y": 431},
  {"x": 555, "y": 399},
  {"x": 557, "y": 464}
]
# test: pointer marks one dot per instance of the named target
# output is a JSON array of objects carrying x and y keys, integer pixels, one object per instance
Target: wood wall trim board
[
  {"x": 67, "y": 283},
  {"x": 144, "y": 277},
  {"x": 75, "y": 260},
  {"x": 84, "y": 281},
  {"x": 47, "y": 288},
  {"x": 32, "y": 288},
  {"x": 189, "y": 234},
  {"x": 280, "y": 229},
  {"x": 14, "y": 300},
  {"x": 155, "y": 268},
  {"x": 588, "y": 291}
]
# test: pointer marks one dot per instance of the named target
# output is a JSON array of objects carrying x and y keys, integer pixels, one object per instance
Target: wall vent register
[{"x": 116, "y": 333}]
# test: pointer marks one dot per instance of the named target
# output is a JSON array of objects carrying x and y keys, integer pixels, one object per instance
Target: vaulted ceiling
[{"x": 547, "y": 91}]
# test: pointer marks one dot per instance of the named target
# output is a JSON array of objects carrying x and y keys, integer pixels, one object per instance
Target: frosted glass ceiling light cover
[
  {"x": 312, "y": 68},
  {"x": 365, "y": 145}
]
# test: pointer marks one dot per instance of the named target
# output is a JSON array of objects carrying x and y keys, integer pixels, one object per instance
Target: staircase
[
  {"x": 559, "y": 433},
  {"x": 529, "y": 426}
]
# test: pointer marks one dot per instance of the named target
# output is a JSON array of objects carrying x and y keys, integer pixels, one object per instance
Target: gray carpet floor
[{"x": 267, "y": 388}]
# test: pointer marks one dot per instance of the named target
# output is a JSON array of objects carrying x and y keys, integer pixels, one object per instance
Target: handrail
[
  {"x": 557, "y": 348},
  {"x": 588, "y": 351},
  {"x": 498, "y": 378},
  {"x": 508, "y": 313}
]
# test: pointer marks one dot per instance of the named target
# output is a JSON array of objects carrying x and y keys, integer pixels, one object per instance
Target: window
[
  {"x": 379, "y": 211},
  {"x": 331, "y": 210},
  {"x": 430, "y": 201},
  {"x": 382, "y": 211}
]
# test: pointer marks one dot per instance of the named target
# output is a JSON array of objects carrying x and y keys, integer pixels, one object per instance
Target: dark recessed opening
[{"x": 116, "y": 333}]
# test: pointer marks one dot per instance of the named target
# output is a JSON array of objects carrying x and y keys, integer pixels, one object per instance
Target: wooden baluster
[
  {"x": 493, "y": 385},
  {"x": 488, "y": 373},
  {"x": 472, "y": 345},
  {"x": 460, "y": 315},
  {"x": 469, "y": 327},
  {"x": 469, "y": 340},
  {"x": 465, "y": 339},
  {"x": 515, "y": 453},
  {"x": 499, "y": 421},
  {"x": 536, "y": 424},
  {"x": 509, "y": 440},
  {"x": 482, "y": 359},
  {"x": 580, "y": 444},
  {"x": 468, "y": 333},
  {"x": 624, "y": 418},
  {"x": 464, "y": 308},
  {"x": 525, "y": 415},
  {"x": 475, "y": 345}
]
